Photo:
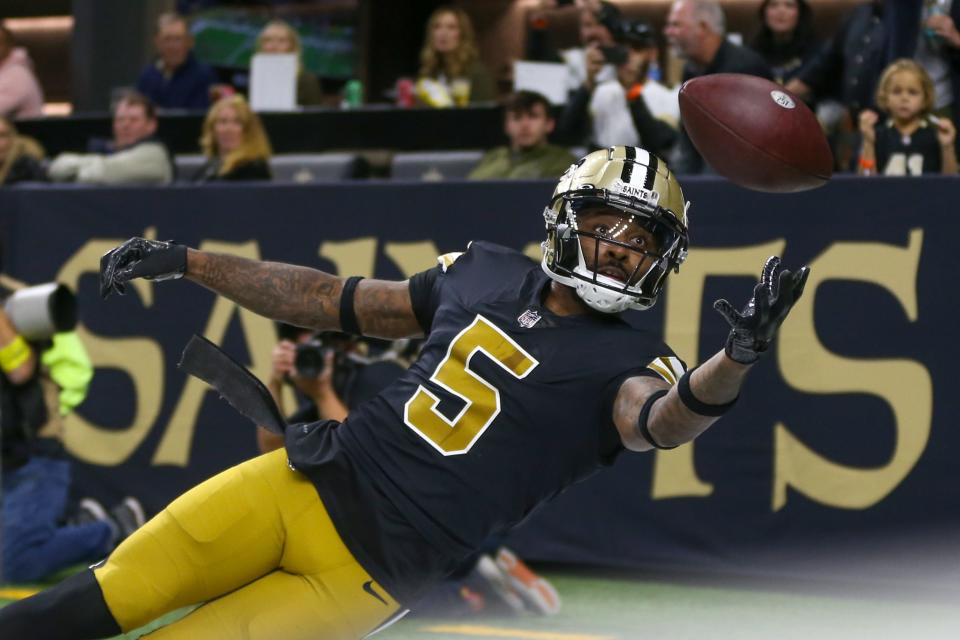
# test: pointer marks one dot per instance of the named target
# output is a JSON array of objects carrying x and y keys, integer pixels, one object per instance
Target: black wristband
[
  {"x": 348, "y": 318},
  {"x": 645, "y": 413},
  {"x": 695, "y": 405}
]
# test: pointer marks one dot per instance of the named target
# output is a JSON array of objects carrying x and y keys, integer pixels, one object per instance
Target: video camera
[{"x": 40, "y": 311}]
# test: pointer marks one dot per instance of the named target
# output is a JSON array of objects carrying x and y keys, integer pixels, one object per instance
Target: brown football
[{"x": 755, "y": 133}]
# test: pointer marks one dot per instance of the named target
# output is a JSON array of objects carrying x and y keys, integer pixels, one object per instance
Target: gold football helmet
[{"x": 641, "y": 187}]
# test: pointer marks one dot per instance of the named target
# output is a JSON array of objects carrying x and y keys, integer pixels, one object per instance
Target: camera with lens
[
  {"x": 40, "y": 311},
  {"x": 37, "y": 313},
  {"x": 310, "y": 358}
]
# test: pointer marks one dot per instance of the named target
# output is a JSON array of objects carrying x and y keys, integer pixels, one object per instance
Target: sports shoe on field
[
  {"x": 123, "y": 519},
  {"x": 537, "y": 594},
  {"x": 129, "y": 516},
  {"x": 498, "y": 583},
  {"x": 90, "y": 510}
]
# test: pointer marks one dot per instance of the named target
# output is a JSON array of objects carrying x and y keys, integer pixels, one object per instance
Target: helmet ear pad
[{"x": 568, "y": 247}]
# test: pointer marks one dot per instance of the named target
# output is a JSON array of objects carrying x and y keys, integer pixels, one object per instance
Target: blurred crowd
[{"x": 881, "y": 85}]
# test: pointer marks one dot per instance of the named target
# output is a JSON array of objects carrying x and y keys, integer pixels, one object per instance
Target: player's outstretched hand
[
  {"x": 140, "y": 258},
  {"x": 753, "y": 329}
]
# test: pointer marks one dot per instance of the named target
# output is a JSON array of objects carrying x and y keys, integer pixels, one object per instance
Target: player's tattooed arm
[
  {"x": 700, "y": 397},
  {"x": 385, "y": 310},
  {"x": 670, "y": 422},
  {"x": 297, "y": 295},
  {"x": 303, "y": 296}
]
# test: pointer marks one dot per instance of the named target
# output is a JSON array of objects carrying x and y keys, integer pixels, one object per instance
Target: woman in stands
[
  {"x": 234, "y": 142},
  {"x": 451, "y": 73},
  {"x": 19, "y": 157},
  {"x": 279, "y": 37},
  {"x": 785, "y": 39}
]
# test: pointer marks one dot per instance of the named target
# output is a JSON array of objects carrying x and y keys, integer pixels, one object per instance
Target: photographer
[
  {"x": 332, "y": 371},
  {"x": 43, "y": 376},
  {"x": 598, "y": 23},
  {"x": 631, "y": 109}
]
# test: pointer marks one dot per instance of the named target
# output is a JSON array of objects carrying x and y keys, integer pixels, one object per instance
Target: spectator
[
  {"x": 279, "y": 37},
  {"x": 451, "y": 73},
  {"x": 599, "y": 23},
  {"x": 177, "y": 80},
  {"x": 848, "y": 65},
  {"x": 841, "y": 79},
  {"x": 785, "y": 38},
  {"x": 910, "y": 141},
  {"x": 632, "y": 109},
  {"x": 335, "y": 375},
  {"x": 928, "y": 33},
  {"x": 234, "y": 142},
  {"x": 20, "y": 93},
  {"x": 134, "y": 156},
  {"x": 527, "y": 122},
  {"x": 40, "y": 382},
  {"x": 696, "y": 32},
  {"x": 18, "y": 159}
]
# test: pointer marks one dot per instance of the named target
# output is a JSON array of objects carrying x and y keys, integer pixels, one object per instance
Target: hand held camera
[{"x": 309, "y": 358}]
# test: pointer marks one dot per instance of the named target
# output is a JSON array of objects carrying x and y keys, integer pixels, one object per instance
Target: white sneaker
[{"x": 129, "y": 516}]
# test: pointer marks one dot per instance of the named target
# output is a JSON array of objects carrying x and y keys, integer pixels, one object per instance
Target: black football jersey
[
  {"x": 913, "y": 155},
  {"x": 506, "y": 406}
]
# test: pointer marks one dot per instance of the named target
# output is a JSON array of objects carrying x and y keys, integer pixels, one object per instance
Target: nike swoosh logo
[{"x": 368, "y": 587}]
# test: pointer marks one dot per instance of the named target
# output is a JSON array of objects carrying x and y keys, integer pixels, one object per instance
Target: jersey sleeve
[
  {"x": 425, "y": 290},
  {"x": 669, "y": 368}
]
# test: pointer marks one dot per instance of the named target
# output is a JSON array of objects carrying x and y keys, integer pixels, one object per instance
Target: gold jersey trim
[{"x": 668, "y": 368}]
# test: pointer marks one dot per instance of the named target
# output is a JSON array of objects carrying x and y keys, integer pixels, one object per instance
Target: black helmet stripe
[
  {"x": 651, "y": 172},
  {"x": 627, "y": 172}
]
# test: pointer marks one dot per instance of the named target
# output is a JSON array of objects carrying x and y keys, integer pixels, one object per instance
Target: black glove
[
  {"x": 140, "y": 258},
  {"x": 753, "y": 329}
]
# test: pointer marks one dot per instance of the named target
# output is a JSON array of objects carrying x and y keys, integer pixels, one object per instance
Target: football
[{"x": 755, "y": 133}]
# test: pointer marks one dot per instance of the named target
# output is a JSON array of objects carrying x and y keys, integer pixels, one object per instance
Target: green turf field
[{"x": 599, "y": 607}]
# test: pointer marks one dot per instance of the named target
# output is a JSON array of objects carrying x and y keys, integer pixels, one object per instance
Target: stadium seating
[
  {"x": 315, "y": 167},
  {"x": 433, "y": 166},
  {"x": 188, "y": 166},
  {"x": 295, "y": 167}
]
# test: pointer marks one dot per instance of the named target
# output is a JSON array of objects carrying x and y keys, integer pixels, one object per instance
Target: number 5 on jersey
[{"x": 482, "y": 399}]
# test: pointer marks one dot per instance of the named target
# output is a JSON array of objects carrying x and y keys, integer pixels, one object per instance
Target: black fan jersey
[
  {"x": 912, "y": 155},
  {"x": 506, "y": 406}
]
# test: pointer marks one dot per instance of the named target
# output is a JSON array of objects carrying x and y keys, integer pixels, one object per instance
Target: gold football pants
[{"x": 255, "y": 545}]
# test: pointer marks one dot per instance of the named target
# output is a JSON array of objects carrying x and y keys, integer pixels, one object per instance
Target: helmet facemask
[{"x": 579, "y": 264}]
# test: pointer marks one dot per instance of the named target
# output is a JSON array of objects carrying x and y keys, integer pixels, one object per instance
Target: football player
[{"x": 529, "y": 381}]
